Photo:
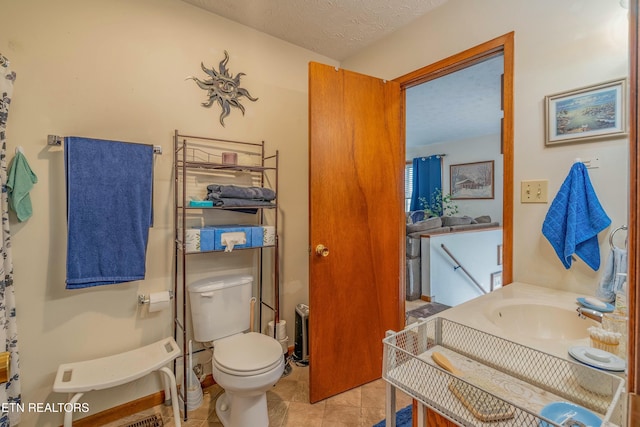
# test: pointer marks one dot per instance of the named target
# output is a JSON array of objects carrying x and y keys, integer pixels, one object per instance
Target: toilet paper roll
[
  {"x": 284, "y": 343},
  {"x": 281, "y": 330},
  {"x": 159, "y": 301}
]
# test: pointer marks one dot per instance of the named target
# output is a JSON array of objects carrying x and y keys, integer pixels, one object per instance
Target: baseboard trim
[
  {"x": 114, "y": 414},
  {"x": 425, "y": 298}
]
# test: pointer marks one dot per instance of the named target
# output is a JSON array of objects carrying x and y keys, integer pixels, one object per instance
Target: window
[{"x": 408, "y": 185}]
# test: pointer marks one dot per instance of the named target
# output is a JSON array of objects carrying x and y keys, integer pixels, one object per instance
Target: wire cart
[{"x": 500, "y": 383}]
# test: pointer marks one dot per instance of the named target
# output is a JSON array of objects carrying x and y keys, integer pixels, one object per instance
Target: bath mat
[
  {"x": 429, "y": 309},
  {"x": 403, "y": 418}
]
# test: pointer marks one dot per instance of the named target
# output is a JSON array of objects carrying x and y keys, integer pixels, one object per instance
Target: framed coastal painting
[
  {"x": 586, "y": 114},
  {"x": 472, "y": 180},
  {"x": 496, "y": 280}
]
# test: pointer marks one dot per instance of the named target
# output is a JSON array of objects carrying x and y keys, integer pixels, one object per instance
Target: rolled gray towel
[
  {"x": 238, "y": 192},
  {"x": 235, "y": 201}
]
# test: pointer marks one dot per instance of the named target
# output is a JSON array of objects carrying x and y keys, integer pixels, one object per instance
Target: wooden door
[{"x": 356, "y": 187}]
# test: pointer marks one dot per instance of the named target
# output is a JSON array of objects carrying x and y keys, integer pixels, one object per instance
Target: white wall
[
  {"x": 476, "y": 251},
  {"x": 116, "y": 69},
  {"x": 470, "y": 150},
  {"x": 558, "y": 46}
]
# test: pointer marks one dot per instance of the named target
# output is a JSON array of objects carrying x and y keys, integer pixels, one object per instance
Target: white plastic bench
[{"x": 111, "y": 371}]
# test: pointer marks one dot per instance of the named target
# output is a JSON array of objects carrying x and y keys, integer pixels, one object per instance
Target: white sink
[
  {"x": 539, "y": 321},
  {"x": 535, "y": 316}
]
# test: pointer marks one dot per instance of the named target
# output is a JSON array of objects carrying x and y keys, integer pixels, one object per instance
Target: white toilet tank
[{"x": 220, "y": 306}]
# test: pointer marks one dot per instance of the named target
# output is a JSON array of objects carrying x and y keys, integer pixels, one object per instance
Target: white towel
[{"x": 611, "y": 282}]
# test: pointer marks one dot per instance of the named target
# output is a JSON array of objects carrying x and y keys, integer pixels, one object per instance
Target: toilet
[{"x": 245, "y": 364}]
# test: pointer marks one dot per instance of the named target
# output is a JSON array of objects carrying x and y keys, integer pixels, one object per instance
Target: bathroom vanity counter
[
  {"x": 495, "y": 381},
  {"x": 530, "y": 315}
]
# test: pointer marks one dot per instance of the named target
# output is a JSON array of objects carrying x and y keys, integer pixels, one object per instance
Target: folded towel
[
  {"x": 611, "y": 282},
  {"x": 230, "y": 202},
  {"x": 19, "y": 184},
  {"x": 575, "y": 218},
  {"x": 109, "y": 193},
  {"x": 238, "y": 192}
]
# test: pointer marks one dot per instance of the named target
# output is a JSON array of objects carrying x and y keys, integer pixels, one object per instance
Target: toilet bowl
[{"x": 246, "y": 366}]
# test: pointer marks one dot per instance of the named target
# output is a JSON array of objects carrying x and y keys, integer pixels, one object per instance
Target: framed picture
[
  {"x": 471, "y": 180},
  {"x": 499, "y": 255},
  {"x": 496, "y": 280},
  {"x": 585, "y": 114}
]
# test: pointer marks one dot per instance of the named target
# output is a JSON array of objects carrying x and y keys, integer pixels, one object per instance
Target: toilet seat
[{"x": 247, "y": 354}]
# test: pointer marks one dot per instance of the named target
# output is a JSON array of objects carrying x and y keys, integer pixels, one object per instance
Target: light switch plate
[{"x": 534, "y": 191}]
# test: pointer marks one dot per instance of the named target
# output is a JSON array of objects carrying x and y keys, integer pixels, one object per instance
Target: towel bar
[
  {"x": 622, "y": 227},
  {"x": 57, "y": 140}
]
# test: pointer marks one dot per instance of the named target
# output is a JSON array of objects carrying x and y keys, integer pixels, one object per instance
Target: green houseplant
[{"x": 440, "y": 205}]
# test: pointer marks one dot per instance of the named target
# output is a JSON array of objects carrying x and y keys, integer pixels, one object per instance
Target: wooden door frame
[
  {"x": 505, "y": 45},
  {"x": 633, "y": 348}
]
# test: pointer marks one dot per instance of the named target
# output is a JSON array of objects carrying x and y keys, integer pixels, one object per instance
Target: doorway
[
  {"x": 496, "y": 56},
  {"x": 453, "y": 123}
]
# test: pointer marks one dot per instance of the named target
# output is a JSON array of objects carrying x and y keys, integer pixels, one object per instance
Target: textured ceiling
[
  {"x": 458, "y": 106},
  {"x": 461, "y": 105},
  {"x": 334, "y": 28}
]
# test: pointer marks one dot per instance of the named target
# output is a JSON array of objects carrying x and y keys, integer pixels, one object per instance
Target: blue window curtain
[{"x": 427, "y": 178}]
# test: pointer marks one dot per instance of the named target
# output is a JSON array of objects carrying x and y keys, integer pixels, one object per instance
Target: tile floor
[
  {"x": 289, "y": 405},
  {"x": 411, "y": 305}
]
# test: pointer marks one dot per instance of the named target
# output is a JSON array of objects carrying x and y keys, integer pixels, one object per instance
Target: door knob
[{"x": 322, "y": 250}]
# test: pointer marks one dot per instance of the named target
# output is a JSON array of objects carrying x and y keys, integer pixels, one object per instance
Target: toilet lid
[{"x": 247, "y": 354}]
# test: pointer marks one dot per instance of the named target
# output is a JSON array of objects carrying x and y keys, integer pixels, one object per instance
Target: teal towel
[{"x": 20, "y": 182}]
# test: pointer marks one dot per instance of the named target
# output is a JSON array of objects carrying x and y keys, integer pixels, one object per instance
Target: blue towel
[
  {"x": 109, "y": 194},
  {"x": 611, "y": 281},
  {"x": 575, "y": 218}
]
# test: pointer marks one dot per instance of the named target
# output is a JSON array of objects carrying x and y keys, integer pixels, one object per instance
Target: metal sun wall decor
[{"x": 223, "y": 88}]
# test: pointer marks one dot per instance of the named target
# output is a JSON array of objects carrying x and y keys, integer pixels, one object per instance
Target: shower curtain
[
  {"x": 10, "y": 391},
  {"x": 427, "y": 178}
]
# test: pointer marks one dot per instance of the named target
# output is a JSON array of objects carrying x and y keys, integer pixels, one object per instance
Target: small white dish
[
  {"x": 598, "y": 358},
  {"x": 608, "y": 308}
]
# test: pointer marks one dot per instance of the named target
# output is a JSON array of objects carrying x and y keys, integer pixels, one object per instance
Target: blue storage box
[
  {"x": 219, "y": 230},
  {"x": 257, "y": 234},
  {"x": 209, "y": 238},
  {"x": 200, "y": 239}
]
